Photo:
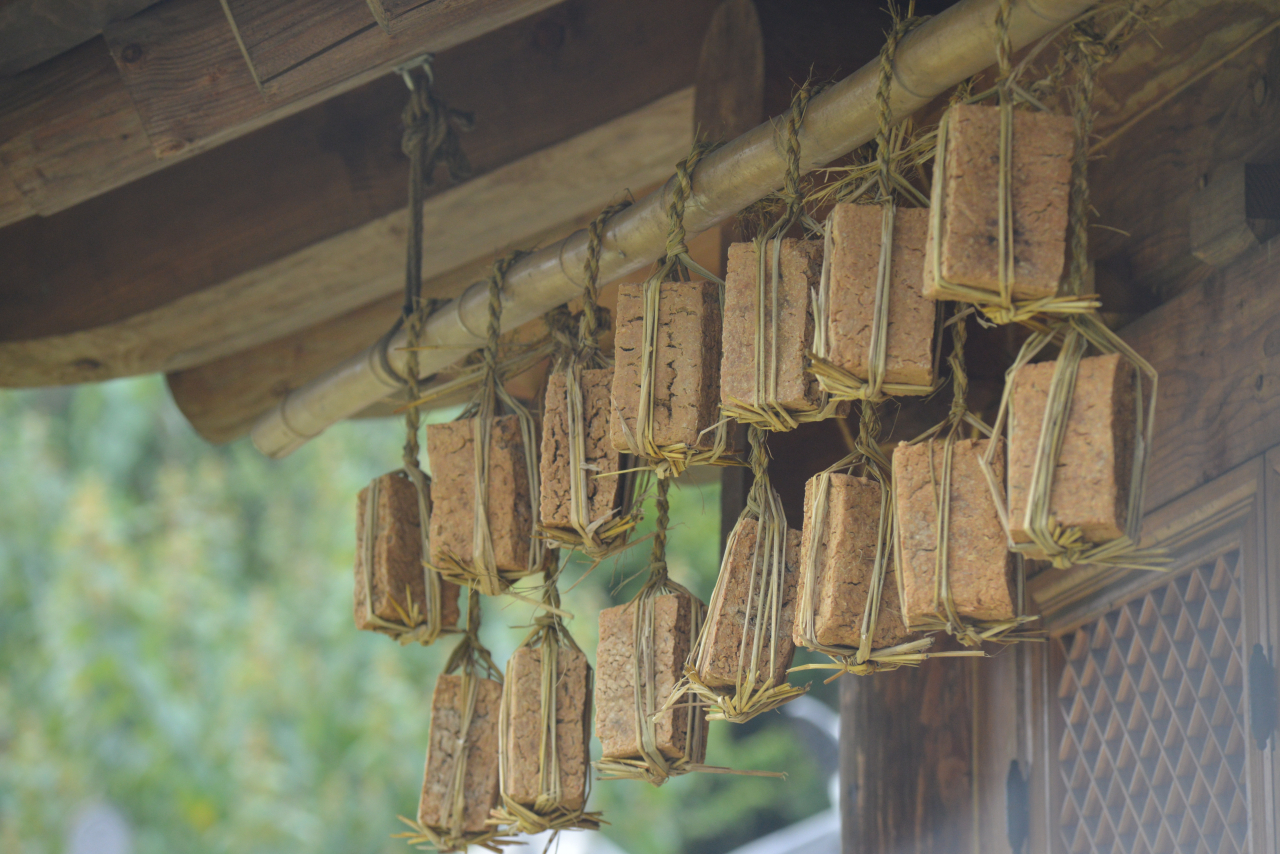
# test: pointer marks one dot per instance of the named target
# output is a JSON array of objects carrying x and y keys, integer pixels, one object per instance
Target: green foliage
[{"x": 176, "y": 636}]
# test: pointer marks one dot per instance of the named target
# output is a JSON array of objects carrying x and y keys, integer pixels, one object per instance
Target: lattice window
[{"x": 1153, "y": 747}]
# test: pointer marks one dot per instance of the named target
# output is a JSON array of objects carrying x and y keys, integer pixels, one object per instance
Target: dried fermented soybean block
[
  {"x": 524, "y": 735},
  {"x": 603, "y": 493},
  {"x": 1092, "y": 479},
  {"x": 480, "y": 785},
  {"x": 978, "y": 558},
  {"x": 968, "y": 242},
  {"x": 854, "y": 269},
  {"x": 397, "y": 577},
  {"x": 615, "y": 677},
  {"x": 687, "y": 382},
  {"x": 731, "y": 615},
  {"x": 800, "y": 263},
  {"x": 450, "y": 447},
  {"x": 845, "y": 549}
]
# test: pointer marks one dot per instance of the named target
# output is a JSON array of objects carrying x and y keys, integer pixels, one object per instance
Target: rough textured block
[
  {"x": 846, "y": 551},
  {"x": 729, "y": 618},
  {"x": 397, "y": 557},
  {"x": 524, "y": 734},
  {"x": 1092, "y": 480},
  {"x": 451, "y": 449},
  {"x": 687, "y": 384},
  {"x": 979, "y": 562},
  {"x": 1042, "y": 149},
  {"x": 615, "y": 677},
  {"x": 855, "y": 266},
  {"x": 604, "y": 494},
  {"x": 480, "y": 785},
  {"x": 801, "y": 268}
]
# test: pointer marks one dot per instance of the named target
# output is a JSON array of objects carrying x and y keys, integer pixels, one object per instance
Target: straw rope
[
  {"x": 607, "y": 535},
  {"x": 762, "y": 624},
  {"x": 890, "y": 186},
  {"x": 863, "y": 659},
  {"x": 475, "y": 663},
  {"x": 548, "y": 812},
  {"x": 670, "y": 460},
  {"x": 481, "y": 571}
]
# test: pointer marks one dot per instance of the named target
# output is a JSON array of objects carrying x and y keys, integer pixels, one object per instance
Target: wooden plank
[
  {"x": 68, "y": 131},
  {"x": 184, "y": 69},
  {"x": 34, "y": 31},
  {"x": 509, "y": 206},
  {"x": 389, "y": 12},
  {"x": 329, "y": 169},
  {"x": 906, "y": 760},
  {"x": 278, "y": 36}
]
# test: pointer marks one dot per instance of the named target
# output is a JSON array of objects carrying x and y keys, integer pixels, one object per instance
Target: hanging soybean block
[
  {"x": 856, "y": 232},
  {"x": 968, "y": 243},
  {"x": 603, "y": 494},
  {"x": 396, "y": 580},
  {"x": 451, "y": 447},
  {"x": 800, "y": 269},
  {"x": 686, "y": 386},
  {"x": 979, "y": 564},
  {"x": 616, "y": 699},
  {"x": 844, "y": 550},
  {"x": 480, "y": 783},
  {"x": 572, "y": 686},
  {"x": 744, "y": 605},
  {"x": 1092, "y": 477}
]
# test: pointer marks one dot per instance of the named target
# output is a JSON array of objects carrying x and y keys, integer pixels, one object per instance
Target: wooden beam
[
  {"x": 506, "y": 207},
  {"x": 33, "y": 31},
  {"x": 329, "y": 169}
]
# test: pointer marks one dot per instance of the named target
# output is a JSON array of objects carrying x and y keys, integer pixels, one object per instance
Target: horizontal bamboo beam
[{"x": 941, "y": 53}]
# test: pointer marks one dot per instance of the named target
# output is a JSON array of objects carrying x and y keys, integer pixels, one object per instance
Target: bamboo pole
[{"x": 943, "y": 52}]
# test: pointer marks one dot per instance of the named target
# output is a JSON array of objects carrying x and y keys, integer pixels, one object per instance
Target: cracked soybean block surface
[
  {"x": 397, "y": 557},
  {"x": 615, "y": 699},
  {"x": 1042, "y": 149},
  {"x": 602, "y": 493},
  {"x": 524, "y": 737},
  {"x": 732, "y": 615},
  {"x": 845, "y": 555},
  {"x": 687, "y": 382},
  {"x": 981, "y": 566},
  {"x": 855, "y": 265},
  {"x": 1092, "y": 479},
  {"x": 450, "y": 447},
  {"x": 480, "y": 784},
  {"x": 801, "y": 267}
]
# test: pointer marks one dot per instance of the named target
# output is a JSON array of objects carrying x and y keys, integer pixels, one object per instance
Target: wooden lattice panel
[{"x": 1153, "y": 746}]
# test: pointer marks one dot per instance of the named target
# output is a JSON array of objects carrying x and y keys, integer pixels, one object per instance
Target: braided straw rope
[
  {"x": 762, "y": 610},
  {"x": 475, "y": 663}
]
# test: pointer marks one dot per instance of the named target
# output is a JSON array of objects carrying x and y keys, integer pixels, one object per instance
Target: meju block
[
  {"x": 615, "y": 700},
  {"x": 800, "y": 268},
  {"x": 451, "y": 449},
  {"x": 734, "y": 620},
  {"x": 1041, "y": 171},
  {"x": 844, "y": 548},
  {"x": 1092, "y": 479},
  {"x": 856, "y": 232},
  {"x": 397, "y": 576},
  {"x": 480, "y": 782},
  {"x": 980, "y": 566},
  {"x": 525, "y": 731},
  {"x": 603, "y": 494},
  {"x": 687, "y": 381}
]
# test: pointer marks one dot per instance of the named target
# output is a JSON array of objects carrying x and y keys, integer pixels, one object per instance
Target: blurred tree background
[{"x": 176, "y": 638}]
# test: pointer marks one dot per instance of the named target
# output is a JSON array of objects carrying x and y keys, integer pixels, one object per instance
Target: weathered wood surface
[
  {"x": 33, "y": 31},
  {"x": 185, "y": 71},
  {"x": 278, "y": 36},
  {"x": 906, "y": 760},
  {"x": 509, "y": 206},
  {"x": 329, "y": 169}
]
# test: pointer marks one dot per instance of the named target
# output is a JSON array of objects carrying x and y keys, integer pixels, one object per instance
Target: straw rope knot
[{"x": 431, "y": 129}]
